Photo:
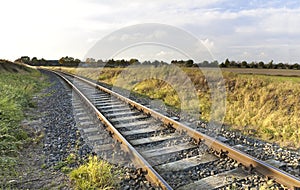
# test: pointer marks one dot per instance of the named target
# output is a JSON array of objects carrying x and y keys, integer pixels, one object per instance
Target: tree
[
  {"x": 261, "y": 64},
  {"x": 244, "y": 64},
  {"x": 25, "y": 59},
  {"x": 69, "y": 61},
  {"x": 155, "y": 63},
  {"x": 214, "y": 63},
  {"x": 189, "y": 63},
  {"x": 146, "y": 63},
  {"x": 133, "y": 60},
  {"x": 222, "y": 65},
  {"x": 180, "y": 62},
  {"x": 77, "y": 61},
  {"x": 296, "y": 66},
  {"x": 61, "y": 60},
  {"x": 43, "y": 62},
  {"x": 253, "y": 65},
  {"x": 90, "y": 60},
  {"x": 270, "y": 65},
  {"x": 111, "y": 62},
  {"x": 34, "y": 61},
  {"x": 286, "y": 66},
  {"x": 280, "y": 66},
  {"x": 227, "y": 63},
  {"x": 204, "y": 64},
  {"x": 233, "y": 64}
]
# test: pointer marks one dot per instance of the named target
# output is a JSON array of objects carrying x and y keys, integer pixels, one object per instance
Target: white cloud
[
  {"x": 56, "y": 28},
  {"x": 208, "y": 43},
  {"x": 161, "y": 53},
  {"x": 157, "y": 34}
]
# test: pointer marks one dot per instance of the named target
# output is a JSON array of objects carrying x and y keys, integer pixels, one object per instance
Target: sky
[{"x": 253, "y": 30}]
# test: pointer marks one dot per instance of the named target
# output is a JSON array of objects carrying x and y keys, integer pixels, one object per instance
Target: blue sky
[{"x": 239, "y": 30}]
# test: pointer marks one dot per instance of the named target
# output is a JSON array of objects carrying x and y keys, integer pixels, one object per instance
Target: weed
[
  {"x": 94, "y": 174},
  {"x": 66, "y": 169},
  {"x": 60, "y": 165},
  {"x": 71, "y": 158}
]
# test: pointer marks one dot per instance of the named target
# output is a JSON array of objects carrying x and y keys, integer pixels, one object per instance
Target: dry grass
[
  {"x": 274, "y": 72},
  {"x": 267, "y": 105}
]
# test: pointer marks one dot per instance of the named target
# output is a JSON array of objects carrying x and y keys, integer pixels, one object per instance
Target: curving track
[{"x": 173, "y": 155}]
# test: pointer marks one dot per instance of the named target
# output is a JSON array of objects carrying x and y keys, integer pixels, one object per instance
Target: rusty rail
[
  {"x": 139, "y": 161},
  {"x": 278, "y": 175}
]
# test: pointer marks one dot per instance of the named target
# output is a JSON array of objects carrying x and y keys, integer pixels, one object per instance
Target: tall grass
[
  {"x": 268, "y": 106},
  {"x": 16, "y": 90}
]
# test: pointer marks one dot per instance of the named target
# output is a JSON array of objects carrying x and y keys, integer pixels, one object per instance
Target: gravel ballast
[
  {"x": 63, "y": 136},
  {"x": 53, "y": 123}
]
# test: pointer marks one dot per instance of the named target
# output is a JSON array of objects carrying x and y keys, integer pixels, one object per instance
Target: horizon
[{"x": 152, "y": 61}]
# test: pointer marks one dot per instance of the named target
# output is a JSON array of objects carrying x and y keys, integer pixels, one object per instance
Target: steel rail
[
  {"x": 268, "y": 170},
  {"x": 139, "y": 161}
]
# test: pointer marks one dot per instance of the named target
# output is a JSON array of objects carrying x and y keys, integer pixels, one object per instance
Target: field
[
  {"x": 274, "y": 72},
  {"x": 262, "y": 103}
]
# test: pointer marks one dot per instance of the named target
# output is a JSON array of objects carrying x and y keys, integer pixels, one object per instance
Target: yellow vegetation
[
  {"x": 95, "y": 174},
  {"x": 267, "y": 105}
]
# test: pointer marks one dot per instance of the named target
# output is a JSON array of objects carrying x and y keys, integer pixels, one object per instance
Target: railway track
[{"x": 173, "y": 155}]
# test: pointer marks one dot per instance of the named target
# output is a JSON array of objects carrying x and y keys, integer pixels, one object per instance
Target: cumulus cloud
[{"x": 227, "y": 27}]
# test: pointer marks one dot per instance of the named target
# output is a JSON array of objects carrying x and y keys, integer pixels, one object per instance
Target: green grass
[
  {"x": 16, "y": 91},
  {"x": 268, "y": 106},
  {"x": 94, "y": 174}
]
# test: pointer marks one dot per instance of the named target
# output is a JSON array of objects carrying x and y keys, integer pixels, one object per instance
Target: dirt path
[{"x": 32, "y": 170}]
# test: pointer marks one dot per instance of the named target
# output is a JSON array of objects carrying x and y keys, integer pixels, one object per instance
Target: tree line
[
  {"x": 64, "y": 61},
  {"x": 90, "y": 62},
  {"x": 259, "y": 65}
]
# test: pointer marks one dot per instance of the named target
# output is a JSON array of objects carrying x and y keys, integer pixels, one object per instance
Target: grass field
[
  {"x": 267, "y": 105},
  {"x": 274, "y": 72},
  {"x": 17, "y": 85}
]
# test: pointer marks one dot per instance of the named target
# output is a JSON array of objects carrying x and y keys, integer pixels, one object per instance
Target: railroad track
[{"x": 173, "y": 155}]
